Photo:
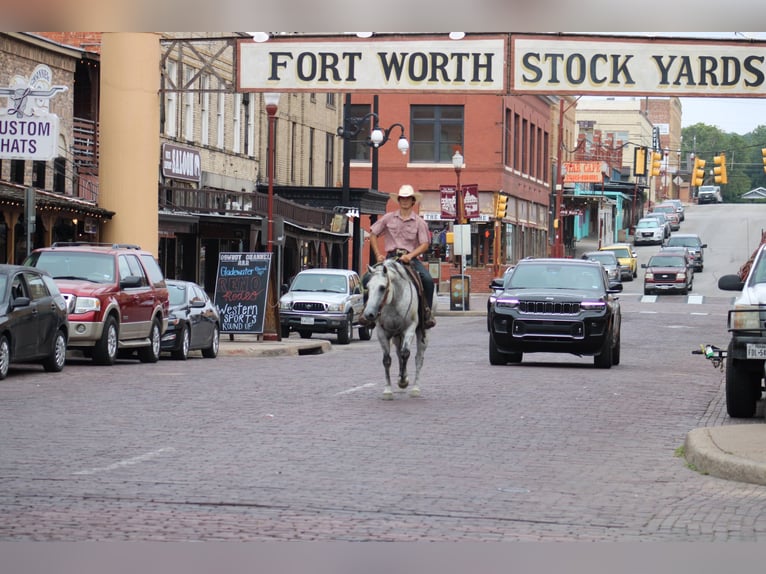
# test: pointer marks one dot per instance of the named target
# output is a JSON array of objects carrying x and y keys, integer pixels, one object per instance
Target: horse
[{"x": 393, "y": 303}]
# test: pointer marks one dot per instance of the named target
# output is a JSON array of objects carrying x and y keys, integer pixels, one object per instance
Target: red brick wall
[{"x": 90, "y": 41}]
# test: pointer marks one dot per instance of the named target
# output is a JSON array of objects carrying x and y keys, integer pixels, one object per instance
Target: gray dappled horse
[{"x": 393, "y": 304}]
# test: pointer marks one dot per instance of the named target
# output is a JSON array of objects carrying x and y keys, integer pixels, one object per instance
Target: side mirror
[{"x": 730, "y": 283}]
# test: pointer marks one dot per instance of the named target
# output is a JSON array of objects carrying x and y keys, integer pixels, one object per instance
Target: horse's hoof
[
  {"x": 415, "y": 392},
  {"x": 403, "y": 383},
  {"x": 388, "y": 395}
]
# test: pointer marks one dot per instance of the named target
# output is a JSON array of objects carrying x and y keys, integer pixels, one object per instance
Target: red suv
[{"x": 116, "y": 297}]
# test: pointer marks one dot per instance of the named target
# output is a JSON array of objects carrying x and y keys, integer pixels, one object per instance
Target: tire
[
  {"x": 346, "y": 331},
  {"x": 604, "y": 359},
  {"x": 365, "y": 333},
  {"x": 54, "y": 362},
  {"x": 495, "y": 356},
  {"x": 151, "y": 353},
  {"x": 182, "y": 353},
  {"x": 647, "y": 292},
  {"x": 105, "y": 351},
  {"x": 305, "y": 334},
  {"x": 5, "y": 357},
  {"x": 211, "y": 352},
  {"x": 743, "y": 387},
  {"x": 616, "y": 352},
  {"x": 284, "y": 332}
]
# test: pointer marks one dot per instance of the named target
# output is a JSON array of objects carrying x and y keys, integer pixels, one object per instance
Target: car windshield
[
  {"x": 648, "y": 223},
  {"x": 667, "y": 261},
  {"x": 177, "y": 293},
  {"x": 620, "y": 252},
  {"x": 95, "y": 267},
  {"x": 675, "y": 241},
  {"x": 606, "y": 258},
  {"x": 318, "y": 282},
  {"x": 555, "y": 276}
]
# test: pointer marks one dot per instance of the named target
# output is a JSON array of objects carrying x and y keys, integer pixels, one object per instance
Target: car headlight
[
  {"x": 87, "y": 304},
  {"x": 649, "y": 275},
  {"x": 336, "y": 307},
  {"x": 506, "y": 302},
  {"x": 681, "y": 275},
  {"x": 749, "y": 318},
  {"x": 285, "y": 305},
  {"x": 592, "y": 305}
]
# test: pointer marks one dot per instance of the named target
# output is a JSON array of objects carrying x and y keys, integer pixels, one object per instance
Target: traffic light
[
  {"x": 719, "y": 171},
  {"x": 763, "y": 153},
  {"x": 639, "y": 161},
  {"x": 698, "y": 172},
  {"x": 656, "y": 163},
  {"x": 501, "y": 206}
]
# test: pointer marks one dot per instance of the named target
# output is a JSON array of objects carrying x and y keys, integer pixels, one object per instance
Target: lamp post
[
  {"x": 378, "y": 137},
  {"x": 272, "y": 102},
  {"x": 457, "y": 163}
]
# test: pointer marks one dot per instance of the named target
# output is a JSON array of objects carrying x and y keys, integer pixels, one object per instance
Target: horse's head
[{"x": 377, "y": 290}]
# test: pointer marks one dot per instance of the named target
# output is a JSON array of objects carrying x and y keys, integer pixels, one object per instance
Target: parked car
[
  {"x": 627, "y": 257},
  {"x": 680, "y": 209},
  {"x": 663, "y": 219},
  {"x": 116, "y": 295},
  {"x": 193, "y": 322},
  {"x": 323, "y": 301},
  {"x": 694, "y": 244},
  {"x": 610, "y": 262},
  {"x": 747, "y": 347},
  {"x": 33, "y": 319},
  {"x": 649, "y": 231},
  {"x": 667, "y": 274},
  {"x": 556, "y": 306},
  {"x": 670, "y": 213}
]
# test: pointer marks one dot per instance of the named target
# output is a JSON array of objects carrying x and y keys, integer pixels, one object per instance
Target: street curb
[{"x": 703, "y": 450}]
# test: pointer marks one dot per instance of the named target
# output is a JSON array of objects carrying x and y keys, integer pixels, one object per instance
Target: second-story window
[
  {"x": 171, "y": 101},
  {"x": 219, "y": 131},
  {"x": 329, "y": 160},
  {"x": 205, "y": 112},
  {"x": 436, "y": 132},
  {"x": 189, "y": 104},
  {"x": 250, "y": 136},
  {"x": 237, "y": 124},
  {"x": 359, "y": 149}
]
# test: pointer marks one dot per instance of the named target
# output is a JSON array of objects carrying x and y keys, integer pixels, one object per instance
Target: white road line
[
  {"x": 695, "y": 299},
  {"x": 127, "y": 462},
  {"x": 649, "y": 298},
  {"x": 354, "y": 389}
]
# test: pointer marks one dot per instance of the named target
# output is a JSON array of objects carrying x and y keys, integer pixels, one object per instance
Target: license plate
[
  {"x": 756, "y": 351},
  {"x": 307, "y": 320}
]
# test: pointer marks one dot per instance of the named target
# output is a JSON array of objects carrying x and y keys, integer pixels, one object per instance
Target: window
[
  {"x": 171, "y": 99},
  {"x": 205, "y": 119},
  {"x": 38, "y": 170},
  {"x": 237, "y": 123},
  {"x": 59, "y": 175},
  {"x": 311, "y": 157},
  {"x": 359, "y": 148},
  {"x": 219, "y": 124},
  {"x": 250, "y": 134},
  {"x": 293, "y": 132},
  {"x": 17, "y": 171},
  {"x": 37, "y": 288},
  {"x": 436, "y": 132},
  {"x": 329, "y": 161},
  {"x": 331, "y": 99},
  {"x": 189, "y": 104}
]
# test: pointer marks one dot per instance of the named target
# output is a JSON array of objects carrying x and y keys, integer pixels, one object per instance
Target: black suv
[{"x": 556, "y": 306}]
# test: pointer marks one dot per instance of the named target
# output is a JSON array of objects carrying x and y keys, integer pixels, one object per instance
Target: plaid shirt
[{"x": 399, "y": 233}]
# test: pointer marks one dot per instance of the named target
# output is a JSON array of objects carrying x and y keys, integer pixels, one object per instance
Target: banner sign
[
  {"x": 583, "y": 171},
  {"x": 471, "y": 200},
  {"x": 392, "y": 65},
  {"x": 27, "y": 128},
  {"x": 594, "y": 65},
  {"x": 240, "y": 291},
  {"x": 181, "y": 163},
  {"x": 448, "y": 201}
]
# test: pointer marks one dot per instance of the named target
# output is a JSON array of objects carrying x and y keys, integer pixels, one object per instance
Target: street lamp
[
  {"x": 457, "y": 162},
  {"x": 272, "y": 102},
  {"x": 378, "y": 137}
]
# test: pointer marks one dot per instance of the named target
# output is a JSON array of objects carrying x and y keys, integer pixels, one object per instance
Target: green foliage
[{"x": 744, "y": 162}]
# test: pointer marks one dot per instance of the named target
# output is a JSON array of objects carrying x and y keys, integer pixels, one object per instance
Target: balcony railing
[{"x": 85, "y": 149}]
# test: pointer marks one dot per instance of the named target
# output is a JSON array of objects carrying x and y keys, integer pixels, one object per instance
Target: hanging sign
[
  {"x": 240, "y": 291},
  {"x": 27, "y": 128}
]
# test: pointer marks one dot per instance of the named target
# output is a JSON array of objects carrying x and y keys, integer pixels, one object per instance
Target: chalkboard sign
[{"x": 241, "y": 289}]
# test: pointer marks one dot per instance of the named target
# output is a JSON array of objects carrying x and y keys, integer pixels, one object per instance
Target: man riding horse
[{"x": 405, "y": 235}]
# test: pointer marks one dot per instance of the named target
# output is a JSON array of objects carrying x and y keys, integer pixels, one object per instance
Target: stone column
[{"x": 129, "y": 121}]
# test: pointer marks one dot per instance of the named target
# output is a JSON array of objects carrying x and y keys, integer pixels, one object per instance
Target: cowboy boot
[{"x": 429, "y": 320}]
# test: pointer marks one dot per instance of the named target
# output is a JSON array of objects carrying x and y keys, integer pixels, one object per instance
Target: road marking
[
  {"x": 127, "y": 462},
  {"x": 649, "y": 298},
  {"x": 354, "y": 389},
  {"x": 695, "y": 299}
]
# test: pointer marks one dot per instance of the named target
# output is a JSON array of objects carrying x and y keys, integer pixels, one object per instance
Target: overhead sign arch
[{"x": 506, "y": 63}]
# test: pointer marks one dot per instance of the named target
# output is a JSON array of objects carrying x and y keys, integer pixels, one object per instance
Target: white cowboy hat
[{"x": 407, "y": 191}]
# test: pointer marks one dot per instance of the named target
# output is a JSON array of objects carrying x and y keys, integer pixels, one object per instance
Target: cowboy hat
[{"x": 407, "y": 191}]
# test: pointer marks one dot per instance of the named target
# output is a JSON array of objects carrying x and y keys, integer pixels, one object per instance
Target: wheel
[
  {"x": 5, "y": 357},
  {"x": 495, "y": 356},
  {"x": 616, "y": 352},
  {"x": 54, "y": 362},
  {"x": 647, "y": 292},
  {"x": 346, "y": 331},
  {"x": 182, "y": 353},
  {"x": 604, "y": 359},
  {"x": 284, "y": 332},
  {"x": 743, "y": 387},
  {"x": 365, "y": 333},
  {"x": 105, "y": 351},
  {"x": 305, "y": 334},
  {"x": 151, "y": 353},
  {"x": 211, "y": 352}
]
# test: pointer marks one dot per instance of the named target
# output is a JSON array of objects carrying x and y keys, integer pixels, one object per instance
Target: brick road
[{"x": 303, "y": 448}]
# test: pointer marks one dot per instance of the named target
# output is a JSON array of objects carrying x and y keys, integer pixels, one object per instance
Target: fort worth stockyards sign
[{"x": 555, "y": 64}]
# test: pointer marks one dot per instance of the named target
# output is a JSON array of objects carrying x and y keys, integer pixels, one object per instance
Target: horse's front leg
[
  {"x": 422, "y": 344},
  {"x": 385, "y": 344},
  {"x": 403, "y": 346}
]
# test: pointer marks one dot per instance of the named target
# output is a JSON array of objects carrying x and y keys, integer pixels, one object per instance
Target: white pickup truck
[
  {"x": 709, "y": 194},
  {"x": 746, "y": 354}
]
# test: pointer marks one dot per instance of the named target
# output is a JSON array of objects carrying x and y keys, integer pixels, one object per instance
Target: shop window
[{"x": 436, "y": 132}]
